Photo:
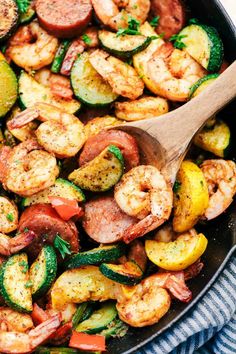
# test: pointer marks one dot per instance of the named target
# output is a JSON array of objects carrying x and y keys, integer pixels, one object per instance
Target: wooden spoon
[{"x": 164, "y": 140}]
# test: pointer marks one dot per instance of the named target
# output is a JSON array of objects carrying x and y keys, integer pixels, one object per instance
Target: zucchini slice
[
  {"x": 101, "y": 173},
  {"x": 128, "y": 273},
  {"x": 96, "y": 256},
  {"x": 99, "y": 320},
  {"x": 60, "y": 55},
  {"x": 27, "y": 17},
  {"x": 8, "y": 87},
  {"x": 61, "y": 188},
  {"x": 116, "y": 329},
  {"x": 88, "y": 86},
  {"x": 9, "y": 15},
  {"x": 215, "y": 139},
  {"x": 83, "y": 312},
  {"x": 123, "y": 46},
  {"x": 30, "y": 92},
  {"x": 43, "y": 271},
  {"x": 201, "y": 84},
  {"x": 14, "y": 283},
  {"x": 204, "y": 45}
]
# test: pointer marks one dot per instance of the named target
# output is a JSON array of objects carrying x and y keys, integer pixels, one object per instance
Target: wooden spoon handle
[{"x": 175, "y": 129}]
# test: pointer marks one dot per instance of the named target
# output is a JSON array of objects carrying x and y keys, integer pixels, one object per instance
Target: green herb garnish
[
  {"x": 176, "y": 186},
  {"x": 155, "y": 21},
  {"x": 62, "y": 246},
  {"x": 23, "y": 5},
  {"x": 133, "y": 28},
  {"x": 86, "y": 39},
  {"x": 10, "y": 217},
  {"x": 177, "y": 39},
  {"x": 28, "y": 284}
]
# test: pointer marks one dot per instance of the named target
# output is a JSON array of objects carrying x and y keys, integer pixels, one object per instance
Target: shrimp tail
[
  {"x": 21, "y": 241},
  {"x": 23, "y": 118},
  {"x": 175, "y": 283},
  {"x": 42, "y": 332},
  {"x": 193, "y": 270}
]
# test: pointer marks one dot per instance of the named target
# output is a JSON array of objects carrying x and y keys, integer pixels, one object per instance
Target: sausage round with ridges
[
  {"x": 97, "y": 143},
  {"x": 64, "y": 18},
  {"x": 172, "y": 16},
  {"x": 104, "y": 221},
  {"x": 46, "y": 223}
]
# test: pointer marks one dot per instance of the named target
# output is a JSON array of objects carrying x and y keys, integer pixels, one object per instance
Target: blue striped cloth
[{"x": 210, "y": 327}]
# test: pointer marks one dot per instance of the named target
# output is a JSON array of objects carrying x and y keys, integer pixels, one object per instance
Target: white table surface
[{"x": 230, "y": 6}]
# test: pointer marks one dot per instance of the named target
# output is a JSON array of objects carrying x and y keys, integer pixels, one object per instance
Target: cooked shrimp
[
  {"x": 138, "y": 254},
  {"x": 11, "y": 320},
  {"x": 149, "y": 301},
  {"x": 173, "y": 72},
  {"x": 145, "y": 194},
  {"x": 59, "y": 85},
  {"x": 60, "y": 133},
  {"x": 17, "y": 342},
  {"x": 220, "y": 176},
  {"x": 109, "y": 13},
  {"x": 122, "y": 77},
  {"x": 167, "y": 234},
  {"x": 30, "y": 169},
  {"x": 8, "y": 215},
  {"x": 31, "y": 47},
  {"x": 11, "y": 245}
]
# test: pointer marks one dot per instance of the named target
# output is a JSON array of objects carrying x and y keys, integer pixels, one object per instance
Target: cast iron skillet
[{"x": 221, "y": 233}]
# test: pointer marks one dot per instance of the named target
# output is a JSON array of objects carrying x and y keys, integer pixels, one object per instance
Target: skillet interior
[{"x": 222, "y": 232}]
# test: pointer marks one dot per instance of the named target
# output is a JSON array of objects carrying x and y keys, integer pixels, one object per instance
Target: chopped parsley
[
  {"x": 193, "y": 21},
  {"x": 155, "y": 21},
  {"x": 28, "y": 284},
  {"x": 10, "y": 217},
  {"x": 26, "y": 229},
  {"x": 86, "y": 39},
  {"x": 133, "y": 28},
  {"x": 177, "y": 39},
  {"x": 176, "y": 186},
  {"x": 62, "y": 246},
  {"x": 23, "y": 5},
  {"x": 24, "y": 266}
]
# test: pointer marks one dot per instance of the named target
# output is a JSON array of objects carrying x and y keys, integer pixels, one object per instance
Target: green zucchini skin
[
  {"x": 43, "y": 271},
  {"x": 128, "y": 273},
  {"x": 88, "y": 86},
  {"x": 96, "y": 256},
  {"x": 101, "y": 173},
  {"x": 62, "y": 188},
  {"x": 8, "y": 88},
  {"x": 203, "y": 82},
  {"x": 122, "y": 46},
  {"x": 116, "y": 329},
  {"x": 83, "y": 312},
  {"x": 9, "y": 11},
  {"x": 99, "y": 319},
  {"x": 214, "y": 48},
  {"x": 60, "y": 55},
  {"x": 30, "y": 92},
  {"x": 13, "y": 283}
]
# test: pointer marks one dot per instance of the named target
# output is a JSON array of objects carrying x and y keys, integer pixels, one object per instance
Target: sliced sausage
[
  {"x": 46, "y": 224},
  {"x": 125, "y": 142},
  {"x": 172, "y": 16},
  {"x": 64, "y": 18},
  {"x": 104, "y": 221}
]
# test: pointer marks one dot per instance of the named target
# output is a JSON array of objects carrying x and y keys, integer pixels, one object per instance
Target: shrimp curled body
[
  {"x": 220, "y": 176},
  {"x": 116, "y": 13},
  {"x": 145, "y": 194},
  {"x": 11, "y": 245},
  {"x": 173, "y": 72},
  {"x": 60, "y": 133},
  {"x": 150, "y": 300},
  {"x": 32, "y": 48},
  {"x": 29, "y": 169}
]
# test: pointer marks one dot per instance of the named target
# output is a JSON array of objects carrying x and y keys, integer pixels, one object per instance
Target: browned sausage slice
[
  {"x": 172, "y": 16},
  {"x": 104, "y": 222},
  {"x": 46, "y": 224},
  {"x": 64, "y": 18},
  {"x": 97, "y": 143}
]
